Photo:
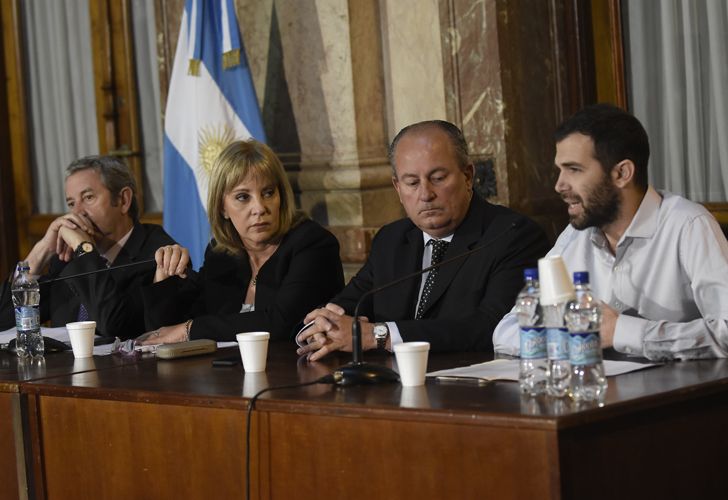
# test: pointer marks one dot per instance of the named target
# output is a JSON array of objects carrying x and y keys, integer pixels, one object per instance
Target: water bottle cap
[
  {"x": 581, "y": 278},
  {"x": 530, "y": 273}
]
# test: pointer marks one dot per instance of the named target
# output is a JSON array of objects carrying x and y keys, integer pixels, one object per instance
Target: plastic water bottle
[
  {"x": 26, "y": 299},
  {"x": 532, "y": 373},
  {"x": 557, "y": 341},
  {"x": 583, "y": 318}
]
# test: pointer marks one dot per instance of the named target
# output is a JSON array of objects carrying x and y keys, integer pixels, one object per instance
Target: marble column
[
  {"x": 412, "y": 56},
  {"x": 337, "y": 79},
  {"x": 324, "y": 109},
  {"x": 506, "y": 83}
]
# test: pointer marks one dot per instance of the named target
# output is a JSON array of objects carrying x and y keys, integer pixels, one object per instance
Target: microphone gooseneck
[
  {"x": 8, "y": 286},
  {"x": 359, "y": 372},
  {"x": 102, "y": 270},
  {"x": 6, "y": 289}
]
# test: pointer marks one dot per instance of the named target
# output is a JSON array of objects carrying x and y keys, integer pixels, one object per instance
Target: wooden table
[
  {"x": 176, "y": 429},
  {"x": 16, "y": 456}
]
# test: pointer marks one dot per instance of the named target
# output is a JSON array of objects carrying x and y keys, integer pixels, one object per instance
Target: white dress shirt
[
  {"x": 113, "y": 252},
  {"x": 668, "y": 280}
]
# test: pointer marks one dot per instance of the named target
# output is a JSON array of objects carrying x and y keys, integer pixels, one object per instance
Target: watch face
[
  {"x": 84, "y": 247},
  {"x": 381, "y": 331}
]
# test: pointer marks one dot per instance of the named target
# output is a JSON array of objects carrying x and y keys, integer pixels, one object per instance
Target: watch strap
[{"x": 381, "y": 335}]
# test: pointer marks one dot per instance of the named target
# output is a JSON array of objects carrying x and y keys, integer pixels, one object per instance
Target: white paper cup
[
  {"x": 253, "y": 350},
  {"x": 412, "y": 362},
  {"x": 82, "y": 338},
  {"x": 556, "y": 285}
]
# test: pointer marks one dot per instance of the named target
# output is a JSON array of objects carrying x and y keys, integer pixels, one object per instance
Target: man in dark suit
[
  {"x": 101, "y": 229},
  {"x": 457, "y": 307}
]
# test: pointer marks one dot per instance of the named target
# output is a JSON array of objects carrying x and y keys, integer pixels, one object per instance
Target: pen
[{"x": 455, "y": 379}]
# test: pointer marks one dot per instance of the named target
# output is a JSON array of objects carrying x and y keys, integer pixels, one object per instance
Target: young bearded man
[{"x": 657, "y": 261}]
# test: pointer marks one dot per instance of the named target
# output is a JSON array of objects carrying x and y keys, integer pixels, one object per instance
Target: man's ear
[
  {"x": 623, "y": 173},
  {"x": 469, "y": 172},
  {"x": 125, "y": 195}
]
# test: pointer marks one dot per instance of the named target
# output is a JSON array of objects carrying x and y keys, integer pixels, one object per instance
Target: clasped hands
[
  {"x": 61, "y": 238},
  {"x": 67, "y": 232},
  {"x": 331, "y": 331}
]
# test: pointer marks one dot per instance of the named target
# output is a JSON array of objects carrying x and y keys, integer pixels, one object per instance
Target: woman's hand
[
  {"x": 172, "y": 260},
  {"x": 164, "y": 335}
]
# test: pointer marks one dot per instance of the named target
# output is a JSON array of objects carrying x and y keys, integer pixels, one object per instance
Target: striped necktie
[{"x": 82, "y": 313}]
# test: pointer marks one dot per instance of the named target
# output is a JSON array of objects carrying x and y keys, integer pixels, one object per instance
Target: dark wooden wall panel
[
  {"x": 396, "y": 459},
  {"x": 8, "y": 465},
  {"x": 154, "y": 436}
]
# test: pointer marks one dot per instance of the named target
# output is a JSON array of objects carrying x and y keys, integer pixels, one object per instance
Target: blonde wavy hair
[{"x": 238, "y": 162}]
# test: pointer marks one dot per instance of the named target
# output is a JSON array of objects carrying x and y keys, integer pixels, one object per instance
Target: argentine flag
[{"x": 211, "y": 103}]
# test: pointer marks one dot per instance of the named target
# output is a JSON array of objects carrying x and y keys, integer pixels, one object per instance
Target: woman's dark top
[{"x": 303, "y": 273}]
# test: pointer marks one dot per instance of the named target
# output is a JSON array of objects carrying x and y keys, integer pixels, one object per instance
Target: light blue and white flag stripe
[{"x": 205, "y": 112}]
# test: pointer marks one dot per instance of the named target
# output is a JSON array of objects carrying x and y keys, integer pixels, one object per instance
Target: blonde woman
[{"x": 265, "y": 268}]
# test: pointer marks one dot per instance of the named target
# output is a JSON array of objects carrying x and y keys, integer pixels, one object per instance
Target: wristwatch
[
  {"x": 381, "y": 334},
  {"x": 83, "y": 248}
]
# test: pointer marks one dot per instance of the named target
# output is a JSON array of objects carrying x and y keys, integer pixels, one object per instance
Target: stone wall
[{"x": 337, "y": 79}]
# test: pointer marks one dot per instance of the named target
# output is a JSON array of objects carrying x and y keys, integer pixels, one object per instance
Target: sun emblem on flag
[{"x": 212, "y": 140}]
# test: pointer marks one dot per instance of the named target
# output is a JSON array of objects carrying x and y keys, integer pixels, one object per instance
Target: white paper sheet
[
  {"x": 54, "y": 333},
  {"x": 507, "y": 369}
]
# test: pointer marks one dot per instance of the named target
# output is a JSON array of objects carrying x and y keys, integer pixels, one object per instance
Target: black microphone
[{"x": 359, "y": 372}]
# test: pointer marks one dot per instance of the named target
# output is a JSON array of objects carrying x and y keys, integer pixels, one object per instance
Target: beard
[{"x": 602, "y": 208}]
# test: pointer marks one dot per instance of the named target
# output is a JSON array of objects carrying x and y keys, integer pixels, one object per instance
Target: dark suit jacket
[
  {"x": 469, "y": 297},
  {"x": 112, "y": 298},
  {"x": 304, "y": 272}
]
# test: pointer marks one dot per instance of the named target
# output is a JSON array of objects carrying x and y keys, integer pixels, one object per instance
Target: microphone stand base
[{"x": 364, "y": 373}]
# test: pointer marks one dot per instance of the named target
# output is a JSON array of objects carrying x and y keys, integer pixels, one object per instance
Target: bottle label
[
  {"x": 558, "y": 343},
  {"x": 27, "y": 318},
  {"x": 533, "y": 343},
  {"x": 584, "y": 348}
]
